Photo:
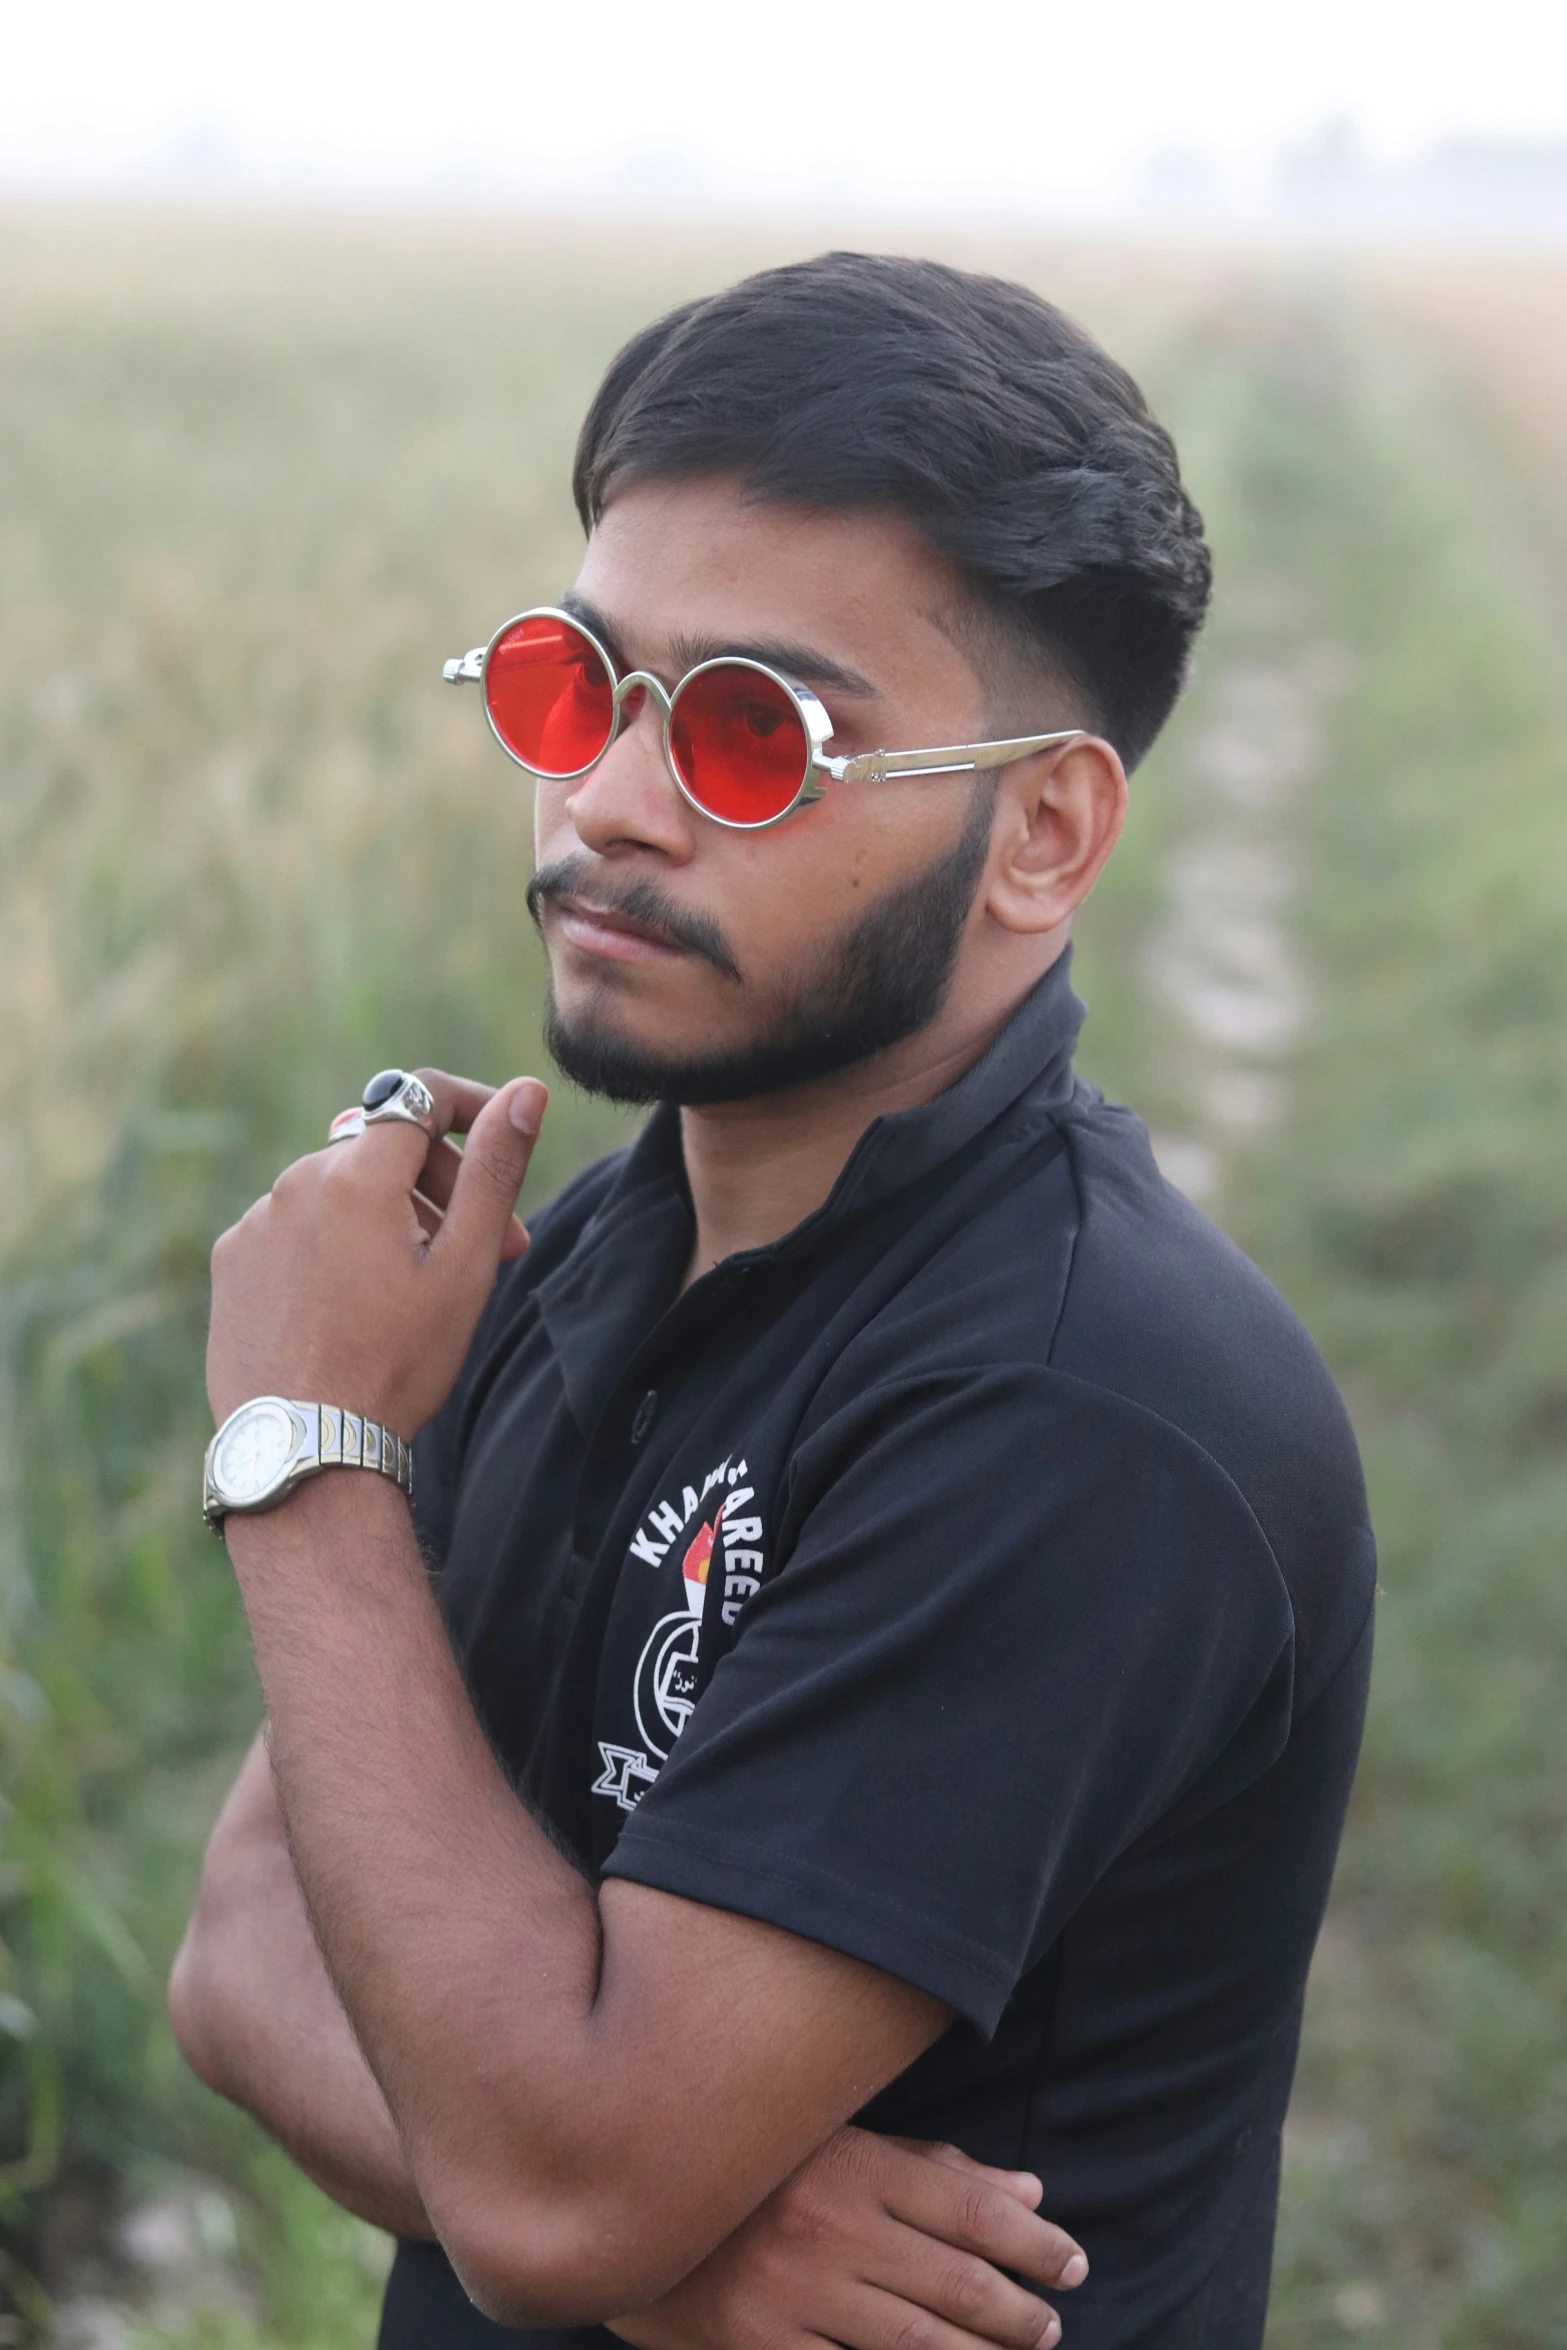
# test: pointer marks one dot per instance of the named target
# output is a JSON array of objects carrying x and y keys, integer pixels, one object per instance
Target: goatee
[{"x": 883, "y": 979}]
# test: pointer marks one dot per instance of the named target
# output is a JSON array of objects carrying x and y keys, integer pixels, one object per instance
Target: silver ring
[
  {"x": 397, "y": 1097},
  {"x": 346, "y": 1125}
]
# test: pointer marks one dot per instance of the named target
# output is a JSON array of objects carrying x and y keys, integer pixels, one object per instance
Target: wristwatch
[{"x": 270, "y": 1446}]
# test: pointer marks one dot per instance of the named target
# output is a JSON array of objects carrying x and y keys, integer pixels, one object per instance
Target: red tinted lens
[
  {"x": 739, "y": 743},
  {"x": 550, "y": 697}
]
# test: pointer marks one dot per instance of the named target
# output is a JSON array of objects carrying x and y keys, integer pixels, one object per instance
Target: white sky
[{"x": 850, "y": 96}]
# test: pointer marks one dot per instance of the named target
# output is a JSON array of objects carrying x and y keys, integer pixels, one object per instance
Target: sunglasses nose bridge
[{"x": 649, "y": 684}]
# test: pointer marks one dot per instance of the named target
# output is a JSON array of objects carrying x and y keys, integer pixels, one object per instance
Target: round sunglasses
[{"x": 745, "y": 744}]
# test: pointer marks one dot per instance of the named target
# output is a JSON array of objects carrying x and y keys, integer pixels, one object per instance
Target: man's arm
[
  {"x": 256, "y": 2016},
  {"x": 593, "y": 2090},
  {"x": 869, "y": 2239}
]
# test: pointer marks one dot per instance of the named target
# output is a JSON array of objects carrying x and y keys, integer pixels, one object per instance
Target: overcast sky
[{"x": 965, "y": 100}]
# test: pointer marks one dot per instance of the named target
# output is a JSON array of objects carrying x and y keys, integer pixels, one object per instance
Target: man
[{"x": 901, "y": 1599}]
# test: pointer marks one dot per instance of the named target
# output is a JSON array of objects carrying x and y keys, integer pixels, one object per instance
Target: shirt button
[{"x": 644, "y": 1416}]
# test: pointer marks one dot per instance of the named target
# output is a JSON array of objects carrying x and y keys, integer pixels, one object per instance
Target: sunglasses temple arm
[
  {"x": 950, "y": 759},
  {"x": 469, "y": 668}
]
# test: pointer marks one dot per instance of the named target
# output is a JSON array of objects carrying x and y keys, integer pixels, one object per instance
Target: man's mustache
[{"x": 637, "y": 901}]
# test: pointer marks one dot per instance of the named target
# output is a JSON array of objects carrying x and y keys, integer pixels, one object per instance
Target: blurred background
[{"x": 299, "y": 310}]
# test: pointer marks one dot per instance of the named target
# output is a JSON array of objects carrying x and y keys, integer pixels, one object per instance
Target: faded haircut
[{"x": 971, "y": 407}]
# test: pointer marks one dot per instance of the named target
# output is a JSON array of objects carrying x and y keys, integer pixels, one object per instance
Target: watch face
[{"x": 254, "y": 1451}]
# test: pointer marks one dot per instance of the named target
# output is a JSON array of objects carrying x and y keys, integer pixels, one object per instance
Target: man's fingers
[
  {"x": 1021, "y": 2183},
  {"x": 966, "y": 2209},
  {"x": 438, "y": 1176},
  {"x": 895, "y": 2321},
  {"x": 438, "y": 1180},
  {"x": 458, "y": 1102},
  {"x": 430, "y": 1221},
  {"x": 964, "y": 2290},
  {"x": 401, "y": 1149},
  {"x": 484, "y": 1195}
]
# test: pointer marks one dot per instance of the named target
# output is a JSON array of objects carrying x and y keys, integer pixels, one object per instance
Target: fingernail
[
  {"x": 1032, "y": 2187},
  {"x": 1052, "y": 2333},
  {"x": 527, "y": 1108},
  {"x": 1075, "y": 2270}
]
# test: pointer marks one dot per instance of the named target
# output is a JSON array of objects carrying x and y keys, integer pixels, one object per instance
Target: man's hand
[
  {"x": 347, "y": 1285},
  {"x": 875, "y": 2244}
]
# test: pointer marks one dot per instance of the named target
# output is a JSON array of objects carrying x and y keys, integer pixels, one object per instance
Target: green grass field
[{"x": 255, "y": 482}]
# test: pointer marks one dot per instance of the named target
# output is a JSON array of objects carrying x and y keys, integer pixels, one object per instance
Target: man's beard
[{"x": 883, "y": 979}]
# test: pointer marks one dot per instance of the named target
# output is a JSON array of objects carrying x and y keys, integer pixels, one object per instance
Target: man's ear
[{"x": 1058, "y": 816}]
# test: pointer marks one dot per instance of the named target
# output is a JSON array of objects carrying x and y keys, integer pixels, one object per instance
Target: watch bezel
[{"x": 221, "y": 1499}]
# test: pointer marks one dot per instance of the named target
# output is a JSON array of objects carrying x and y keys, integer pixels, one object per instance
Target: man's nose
[{"x": 630, "y": 799}]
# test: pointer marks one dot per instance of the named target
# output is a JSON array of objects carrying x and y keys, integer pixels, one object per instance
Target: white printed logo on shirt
[{"x": 664, "y": 1686}]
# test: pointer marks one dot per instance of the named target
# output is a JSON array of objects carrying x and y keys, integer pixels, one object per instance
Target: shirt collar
[
  {"x": 1030, "y": 1059},
  {"x": 622, "y": 1274}
]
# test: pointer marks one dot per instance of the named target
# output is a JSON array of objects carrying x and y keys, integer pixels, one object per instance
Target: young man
[{"x": 899, "y": 1632}]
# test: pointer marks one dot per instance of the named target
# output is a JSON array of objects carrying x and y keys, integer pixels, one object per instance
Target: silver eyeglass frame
[{"x": 819, "y": 770}]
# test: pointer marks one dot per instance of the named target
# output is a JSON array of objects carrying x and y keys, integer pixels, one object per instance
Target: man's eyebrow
[
  {"x": 594, "y": 621},
  {"x": 803, "y": 662}
]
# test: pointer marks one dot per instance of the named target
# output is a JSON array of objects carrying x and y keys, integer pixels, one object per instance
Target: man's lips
[{"x": 617, "y": 937}]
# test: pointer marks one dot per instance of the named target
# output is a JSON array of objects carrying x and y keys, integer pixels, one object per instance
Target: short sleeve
[{"x": 1013, "y": 1620}]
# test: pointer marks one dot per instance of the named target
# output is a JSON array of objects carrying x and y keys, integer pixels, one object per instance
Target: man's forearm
[
  {"x": 257, "y": 2018},
  {"x": 317, "y": 2097},
  {"x": 408, "y": 1933},
  {"x": 538, "y": 2054},
  {"x": 580, "y": 2133}
]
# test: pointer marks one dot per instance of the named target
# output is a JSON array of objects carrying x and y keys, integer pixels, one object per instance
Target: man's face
[{"x": 699, "y": 963}]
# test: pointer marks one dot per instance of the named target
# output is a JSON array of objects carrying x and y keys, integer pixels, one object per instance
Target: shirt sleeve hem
[{"x": 969, "y": 1979}]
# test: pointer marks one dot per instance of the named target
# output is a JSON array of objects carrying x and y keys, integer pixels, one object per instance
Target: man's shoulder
[
  {"x": 1071, "y": 1252},
  {"x": 1164, "y": 1309},
  {"x": 1085, "y": 1265}
]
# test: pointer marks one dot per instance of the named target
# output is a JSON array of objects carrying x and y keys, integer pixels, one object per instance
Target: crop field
[{"x": 256, "y": 479}]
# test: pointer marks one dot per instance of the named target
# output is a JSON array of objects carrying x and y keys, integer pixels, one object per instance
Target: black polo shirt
[{"x": 976, "y": 1580}]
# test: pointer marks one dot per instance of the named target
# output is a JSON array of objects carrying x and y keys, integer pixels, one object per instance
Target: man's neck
[{"x": 758, "y": 1168}]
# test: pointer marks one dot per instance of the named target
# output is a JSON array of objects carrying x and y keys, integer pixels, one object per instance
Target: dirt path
[{"x": 1222, "y": 960}]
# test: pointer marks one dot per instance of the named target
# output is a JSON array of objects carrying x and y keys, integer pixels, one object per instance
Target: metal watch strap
[
  {"x": 347, "y": 1440},
  {"x": 326, "y": 1437}
]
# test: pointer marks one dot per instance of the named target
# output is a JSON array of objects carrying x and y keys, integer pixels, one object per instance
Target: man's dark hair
[{"x": 1000, "y": 429}]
